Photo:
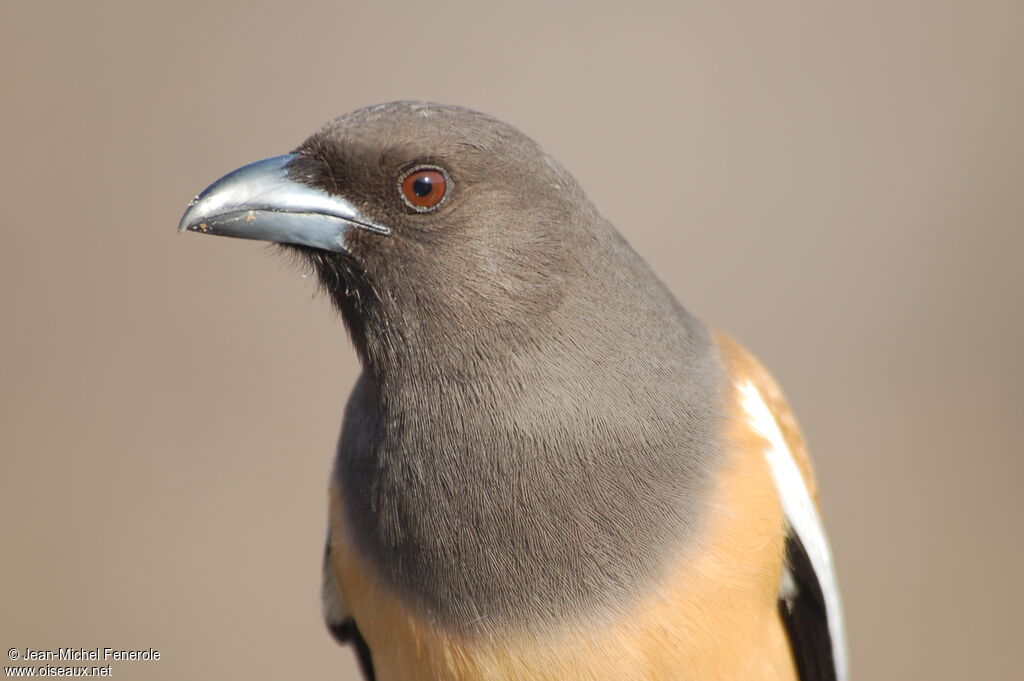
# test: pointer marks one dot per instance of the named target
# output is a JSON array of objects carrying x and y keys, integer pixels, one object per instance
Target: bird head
[{"x": 429, "y": 226}]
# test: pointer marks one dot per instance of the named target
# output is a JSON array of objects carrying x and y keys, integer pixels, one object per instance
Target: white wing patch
[{"x": 802, "y": 515}]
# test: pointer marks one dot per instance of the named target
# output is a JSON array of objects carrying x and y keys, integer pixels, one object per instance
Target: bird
[{"x": 547, "y": 468}]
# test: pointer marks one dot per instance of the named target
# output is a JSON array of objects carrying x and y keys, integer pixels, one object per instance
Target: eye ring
[{"x": 424, "y": 187}]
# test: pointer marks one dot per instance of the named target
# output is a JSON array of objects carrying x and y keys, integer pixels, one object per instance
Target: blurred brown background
[{"x": 839, "y": 185}]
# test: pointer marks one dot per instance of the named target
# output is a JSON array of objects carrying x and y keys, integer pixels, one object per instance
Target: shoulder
[{"x": 743, "y": 372}]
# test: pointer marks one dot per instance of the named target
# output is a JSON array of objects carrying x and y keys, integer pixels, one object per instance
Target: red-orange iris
[{"x": 424, "y": 188}]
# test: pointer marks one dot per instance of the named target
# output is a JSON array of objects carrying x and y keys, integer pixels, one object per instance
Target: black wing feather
[
  {"x": 348, "y": 632},
  {"x": 803, "y": 612}
]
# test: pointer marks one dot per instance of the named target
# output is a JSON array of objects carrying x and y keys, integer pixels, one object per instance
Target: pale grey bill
[{"x": 260, "y": 201}]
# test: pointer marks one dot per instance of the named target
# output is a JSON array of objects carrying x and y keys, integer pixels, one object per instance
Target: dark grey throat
[{"x": 561, "y": 481}]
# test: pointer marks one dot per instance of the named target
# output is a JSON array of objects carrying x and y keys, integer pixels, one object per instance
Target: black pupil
[{"x": 422, "y": 186}]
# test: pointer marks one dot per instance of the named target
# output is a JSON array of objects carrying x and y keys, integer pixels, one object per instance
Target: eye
[{"x": 424, "y": 188}]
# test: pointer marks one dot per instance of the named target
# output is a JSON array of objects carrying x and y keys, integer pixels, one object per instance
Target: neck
[{"x": 498, "y": 464}]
